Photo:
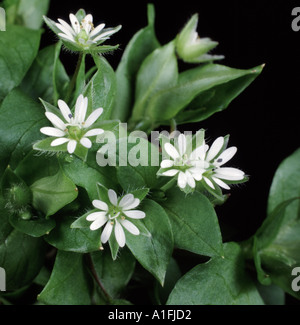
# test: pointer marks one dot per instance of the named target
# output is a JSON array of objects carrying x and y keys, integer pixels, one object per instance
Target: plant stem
[
  {"x": 74, "y": 78},
  {"x": 95, "y": 275}
]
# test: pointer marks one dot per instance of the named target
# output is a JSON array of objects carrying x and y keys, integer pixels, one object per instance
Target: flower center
[
  {"x": 74, "y": 132},
  {"x": 82, "y": 36}
]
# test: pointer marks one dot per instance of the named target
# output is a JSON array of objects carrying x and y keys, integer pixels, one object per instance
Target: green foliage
[{"x": 51, "y": 200}]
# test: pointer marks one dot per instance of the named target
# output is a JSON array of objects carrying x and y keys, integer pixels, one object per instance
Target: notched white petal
[
  {"x": 171, "y": 151},
  {"x": 112, "y": 195},
  {"x": 135, "y": 214},
  {"x": 100, "y": 205}
]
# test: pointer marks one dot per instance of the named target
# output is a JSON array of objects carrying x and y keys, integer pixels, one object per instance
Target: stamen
[
  {"x": 219, "y": 160},
  {"x": 112, "y": 223},
  {"x": 123, "y": 218},
  {"x": 70, "y": 115}
]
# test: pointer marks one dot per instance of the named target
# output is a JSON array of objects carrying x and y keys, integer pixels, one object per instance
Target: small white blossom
[
  {"x": 73, "y": 129},
  {"x": 203, "y": 163},
  {"x": 84, "y": 33},
  {"x": 114, "y": 216},
  {"x": 215, "y": 157},
  {"x": 181, "y": 164}
]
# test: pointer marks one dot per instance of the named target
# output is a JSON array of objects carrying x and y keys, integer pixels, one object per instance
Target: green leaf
[
  {"x": 36, "y": 227},
  {"x": 158, "y": 72},
  {"x": 52, "y": 193},
  {"x": 114, "y": 274},
  {"x": 70, "y": 283},
  {"x": 101, "y": 89},
  {"x": 276, "y": 244},
  {"x": 20, "y": 121},
  {"x": 168, "y": 102},
  {"x": 138, "y": 163},
  {"x": 21, "y": 256},
  {"x": 46, "y": 77},
  {"x": 284, "y": 186},
  {"x": 34, "y": 167},
  {"x": 154, "y": 246},
  {"x": 217, "y": 98},
  {"x": 18, "y": 48},
  {"x": 79, "y": 240},
  {"x": 28, "y": 13},
  {"x": 87, "y": 175},
  {"x": 139, "y": 47},
  {"x": 220, "y": 281},
  {"x": 194, "y": 223}
]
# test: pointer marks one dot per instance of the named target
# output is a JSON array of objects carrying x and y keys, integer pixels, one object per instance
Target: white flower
[
  {"x": 75, "y": 128},
  {"x": 84, "y": 33},
  {"x": 203, "y": 163},
  {"x": 181, "y": 164},
  {"x": 114, "y": 215},
  {"x": 216, "y": 157}
]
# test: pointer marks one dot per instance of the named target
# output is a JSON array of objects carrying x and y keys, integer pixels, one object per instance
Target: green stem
[
  {"x": 74, "y": 78},
  {"x": 169, "y": 185},
  {"x": 95, "y": 275}
]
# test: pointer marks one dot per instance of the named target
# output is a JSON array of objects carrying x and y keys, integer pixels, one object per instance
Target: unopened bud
[{"x": 193, "y": 49}]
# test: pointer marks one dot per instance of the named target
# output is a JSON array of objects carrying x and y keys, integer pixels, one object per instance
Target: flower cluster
[
  {"x": 114, "y": 215},
  {"x": 73, "y": 129},
  {"x": 203, "y": 163}
]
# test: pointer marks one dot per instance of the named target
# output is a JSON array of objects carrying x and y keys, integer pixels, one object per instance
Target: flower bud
[
  {"x": 18, "y": 197},
  {"x": 193, "y": 49}
]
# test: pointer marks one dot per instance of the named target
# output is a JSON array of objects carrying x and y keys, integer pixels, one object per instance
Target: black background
[{"x": 263, "y": 121}]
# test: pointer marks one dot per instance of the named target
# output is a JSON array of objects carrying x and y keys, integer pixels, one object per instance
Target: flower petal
[
  {"x": 229, "y": 173},
  {"x": 55, "y": 120},
  {"x": 87, "y": 23},
  {"x": 181, "y": 141},
  {"x": 190, "y": 179},
  {"x": 65, "y": 30},
  {"x": 67, "y": 26},
  {"x": 199, "y": 153},
  {"x": 80, "y": 109},
  {"x": 99, "y": 219},
  {"x": 112, "y": 195},
  {"x": 106, "y": 232},
  {"x": 130, "y": 227},
  {"x": 100, "y": 205},
  {"x": 171, "y": 151},
  {"x": 52, "y": 132},
  {"x": 132, "y": 205},
  {"x": 126, "y": 200},
  {"x": 167, "y": 163},
  {"x": 221, "y": 183},
  {"x": 135, "y": 214},
  {"x": 119, "y": 234},
  {"x": 197, "y": 173},
  {"x": 182, "y": 180},
  {"x": 86, "y": 142},
  {"x": 97, "y": 30},
  {"x": 93, "y": 117},
  {"x": 93, "y": 132},
  {"x": 208, "y": 182},
  {"x": 71, "y": 146},
  {"x": 67, "y": 37},
  {"x": 75, "y": 23},
  {"x": 59, "y": 141},
  {"x": 171, "y": 172},
  {"x": 65, "y": 110},
  {"x": 215, "y": 148},
  {"x": 225, "y": 156}
]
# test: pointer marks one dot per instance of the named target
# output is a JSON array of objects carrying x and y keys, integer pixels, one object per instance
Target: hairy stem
[{"x": 74, "y": 78}]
